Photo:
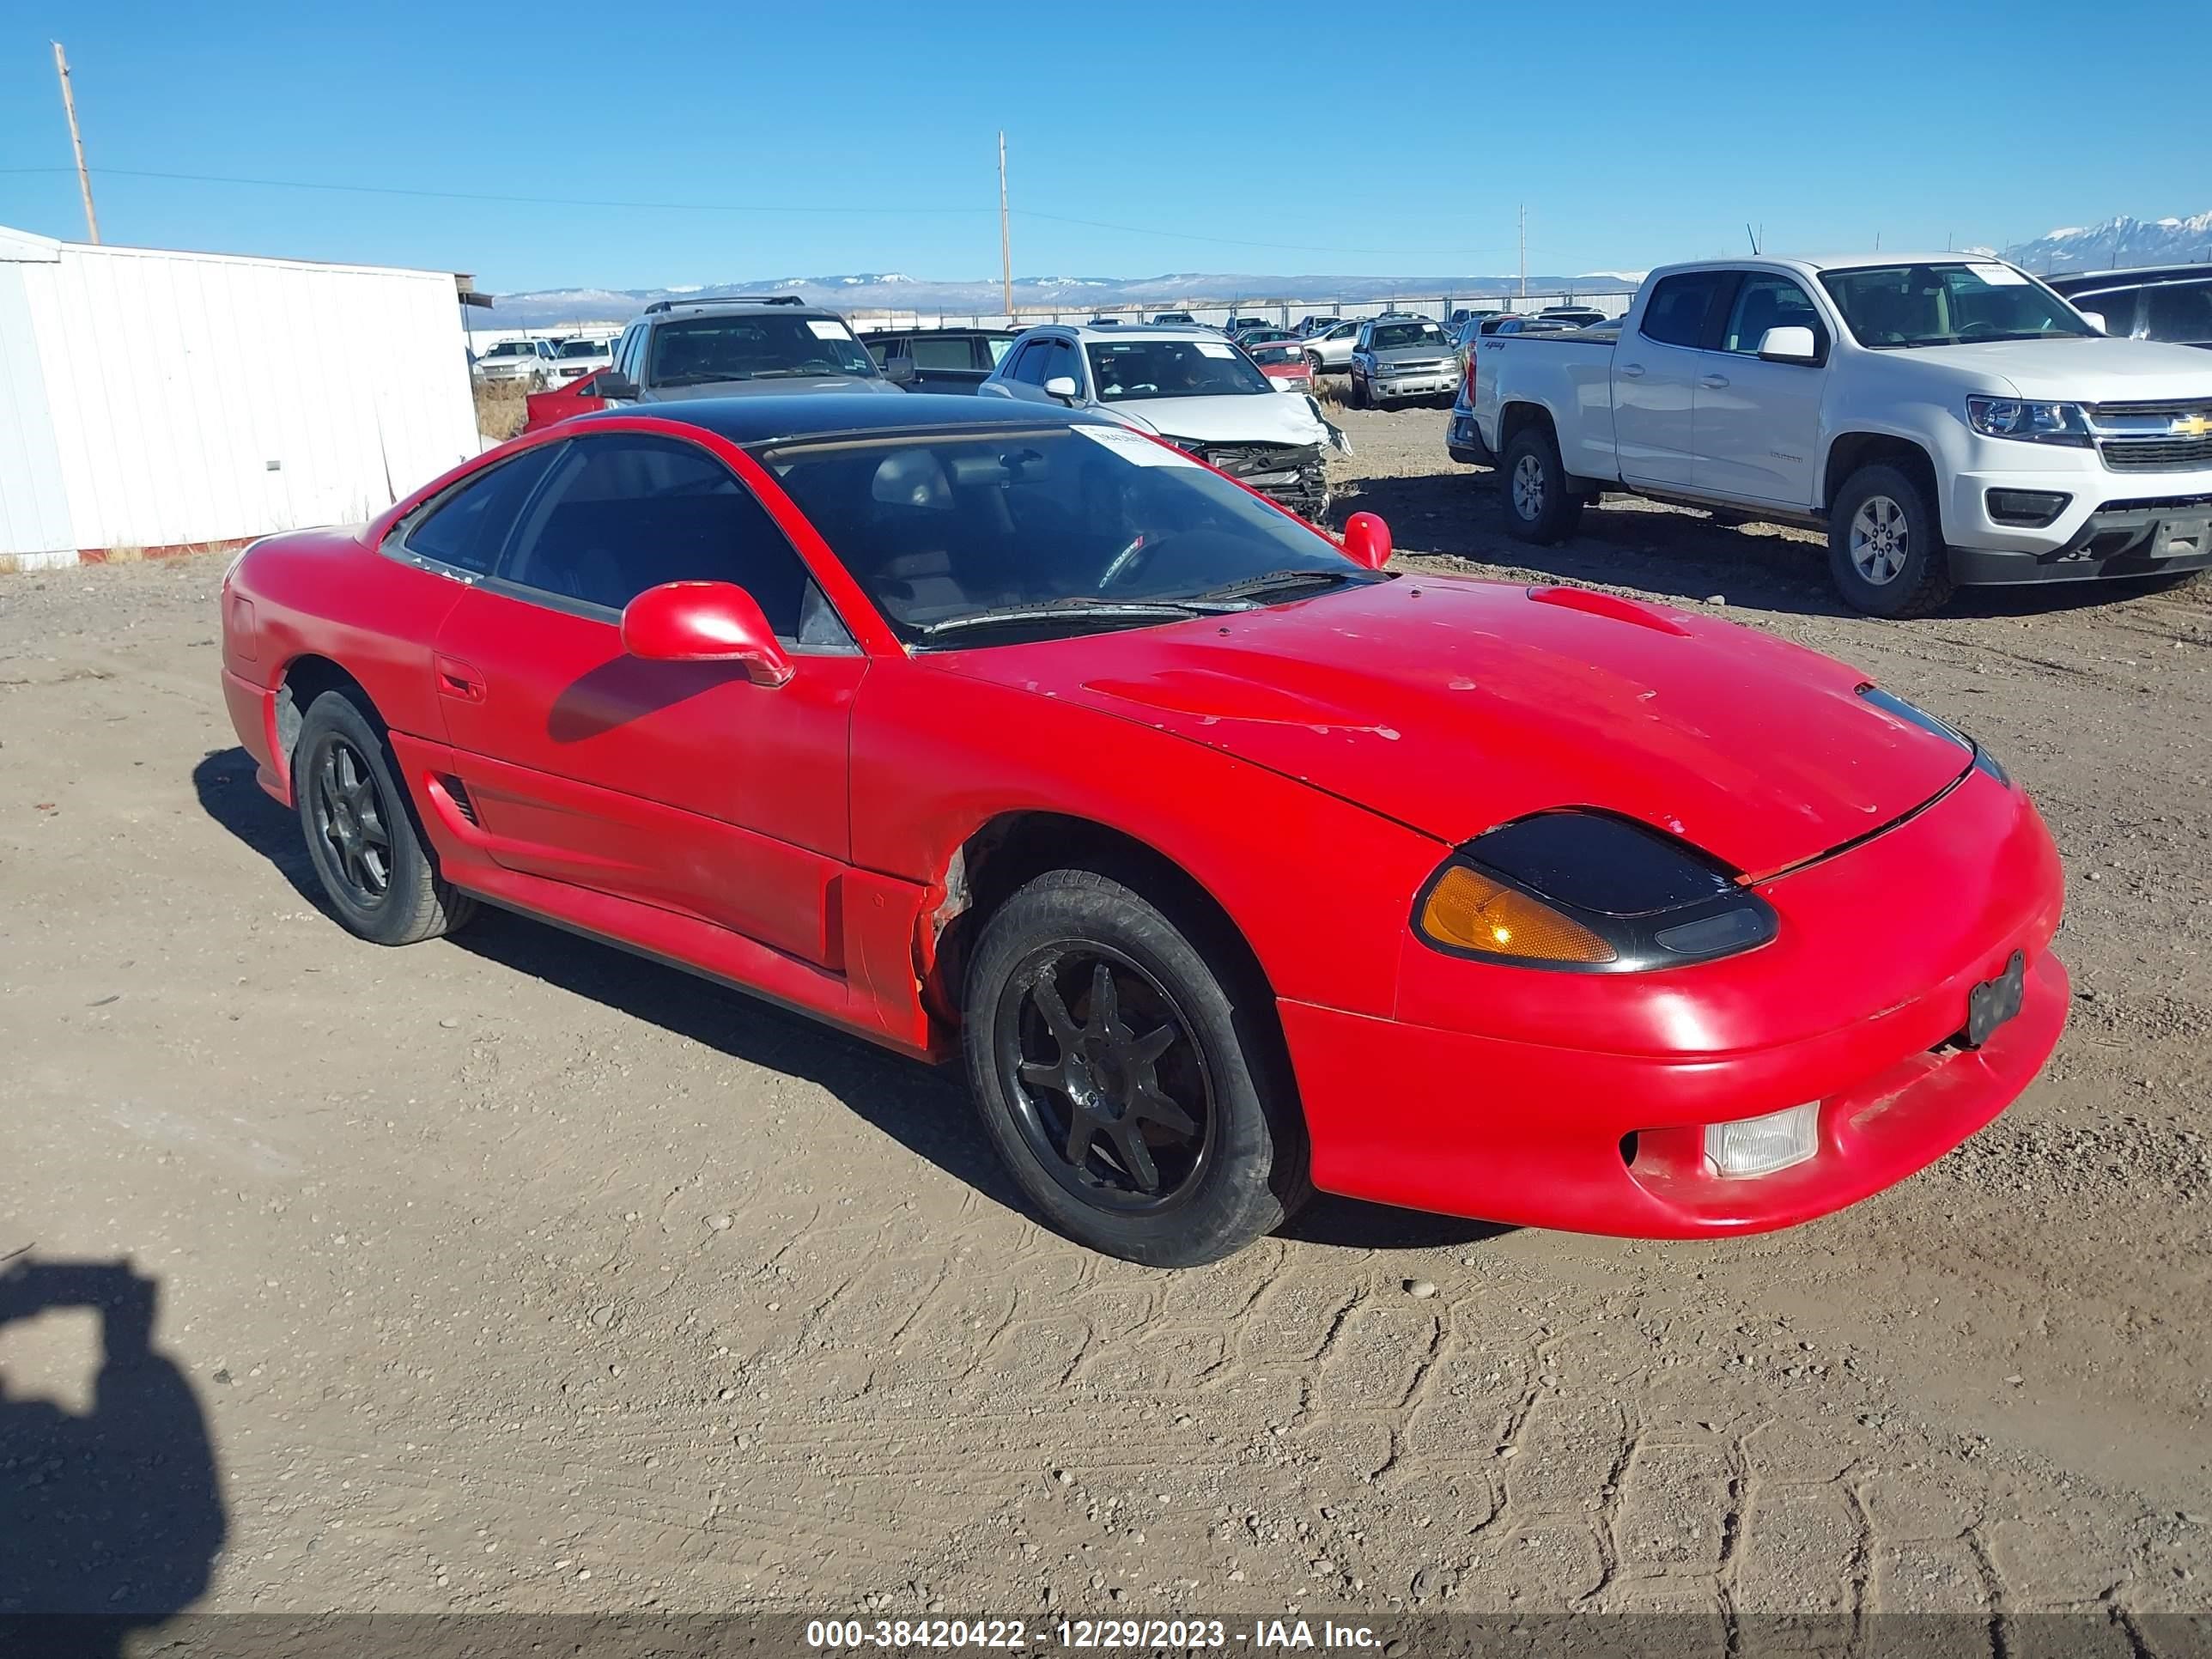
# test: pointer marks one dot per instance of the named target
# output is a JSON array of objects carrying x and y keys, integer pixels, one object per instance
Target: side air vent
[{"x": 460, "y": 791}]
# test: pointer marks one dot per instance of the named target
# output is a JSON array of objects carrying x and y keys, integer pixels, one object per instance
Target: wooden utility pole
[
  {"x": 76, "y": 142},
  {"x": 1006, "y": 242},
  {"x": 1524, "y": 250}
]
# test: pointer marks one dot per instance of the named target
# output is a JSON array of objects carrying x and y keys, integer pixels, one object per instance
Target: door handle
[
  {"x": 458, "y": 680},
  {"x": 1631, "y": 371},
  {"x": 1712, "y": 382}
]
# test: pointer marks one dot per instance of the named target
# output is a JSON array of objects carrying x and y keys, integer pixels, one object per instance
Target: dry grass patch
[{"x": 502, "y": 408}]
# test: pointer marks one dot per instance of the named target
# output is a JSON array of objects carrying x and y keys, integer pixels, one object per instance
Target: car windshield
[
  {"x": 1284, "y": 352},
  {"x": 513, "y": 348},
  {"x": 1890, "y": 307},
  {"x": 984, "y": 537},
  {"x": 585, "y": 348},
  {"x": 705, "y": 350},
  {"x": 1391, "y": 337},
  {"x": 1171, "y": 368}
]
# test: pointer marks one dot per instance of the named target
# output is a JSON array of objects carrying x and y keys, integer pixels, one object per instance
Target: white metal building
[{"x": 159, "y": 400}]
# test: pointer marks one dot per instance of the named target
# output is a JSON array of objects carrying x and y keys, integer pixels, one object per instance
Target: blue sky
[{"x": 861, "y": 138}]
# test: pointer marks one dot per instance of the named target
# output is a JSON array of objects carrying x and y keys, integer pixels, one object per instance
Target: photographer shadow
[{"x": 110, "y": 1520}]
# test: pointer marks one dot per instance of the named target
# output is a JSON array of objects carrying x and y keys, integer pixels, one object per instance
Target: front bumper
[
  {"x": 1425, "y": 384},
  {"x": 1289, "y": 474},
  {"x": 2115, "y": 522},
  {"x": 1579, "y": 1101},
  {"x": 2118, "y": 536}
]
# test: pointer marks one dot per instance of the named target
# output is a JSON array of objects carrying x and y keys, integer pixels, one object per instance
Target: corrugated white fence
[{"x": 153, "y": 400}]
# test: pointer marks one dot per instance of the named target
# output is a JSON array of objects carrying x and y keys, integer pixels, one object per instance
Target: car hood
[
  {"x": 1256, "y": 417},
  {"x": 2078, "y": 370},
  {"x": 1453, "y": 706},
  {"x": 1413, "y": 354}
]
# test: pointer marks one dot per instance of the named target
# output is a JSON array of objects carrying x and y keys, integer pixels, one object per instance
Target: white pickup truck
[{"x": 1949, "y": 419}]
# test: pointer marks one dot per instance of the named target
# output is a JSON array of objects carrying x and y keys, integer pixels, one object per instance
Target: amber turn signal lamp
[{"x": 1469, "y": 911}]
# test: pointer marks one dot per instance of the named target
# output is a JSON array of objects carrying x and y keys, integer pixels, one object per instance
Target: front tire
[
  {"x": 1540, "y": 505},
  {"x": 1134, "y": 1083},
  {"x": 360, "y": 832},
  {"x": 1359, "y": 393},
  {"x": 1886, "y": 551}
]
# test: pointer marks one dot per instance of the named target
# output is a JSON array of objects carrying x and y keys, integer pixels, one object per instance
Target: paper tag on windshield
[
  {"x": 1998, "y": 275},
  {"x": 824, "y": 330},
  {"x": 1134, "y": 446},
  {"x": 1216, "y": 348}
]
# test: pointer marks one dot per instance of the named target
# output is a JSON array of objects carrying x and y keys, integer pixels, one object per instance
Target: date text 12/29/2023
[{"x": 1139, "y": 1634}]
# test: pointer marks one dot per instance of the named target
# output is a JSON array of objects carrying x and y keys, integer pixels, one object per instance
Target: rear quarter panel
[
  {"x": 1571, "y": 381},
  {"x": 325, "y": 594}
]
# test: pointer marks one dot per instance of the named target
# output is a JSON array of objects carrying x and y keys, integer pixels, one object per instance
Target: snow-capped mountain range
[
  {"x": 895, "y": 291},
  {"x": 2115, "y": 242}
]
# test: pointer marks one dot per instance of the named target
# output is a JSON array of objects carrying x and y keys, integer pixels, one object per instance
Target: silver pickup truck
[{"x": 1947, "y": 418}]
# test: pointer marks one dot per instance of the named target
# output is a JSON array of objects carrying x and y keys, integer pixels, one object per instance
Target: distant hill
[
  {"x": 2116, "y": 243},
  {"x": 895, "y": 291}
]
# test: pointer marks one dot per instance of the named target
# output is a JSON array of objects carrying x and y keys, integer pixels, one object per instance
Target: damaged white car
[{"x": 1190, "y": 386}]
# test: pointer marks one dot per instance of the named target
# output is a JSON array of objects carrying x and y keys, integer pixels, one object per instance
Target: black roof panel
[
  {"x": 2067, "y": 280},
  {"x": 764, "y": 419}
]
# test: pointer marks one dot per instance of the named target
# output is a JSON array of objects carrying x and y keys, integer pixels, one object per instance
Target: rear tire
[
  {"x": 362, "y": 839},
  {"x": 1541, "y": 506},
  {"x": 1093, "y": 1024},
  {"x": 1886, "y": 549}
]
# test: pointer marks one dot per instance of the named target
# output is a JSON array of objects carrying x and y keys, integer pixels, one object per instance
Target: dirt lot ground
[{"x": 510, "y": 1272}]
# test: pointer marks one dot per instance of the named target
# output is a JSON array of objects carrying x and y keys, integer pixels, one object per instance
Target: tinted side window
[
  {"x": 2181, "y": 312},
  {"x": 1061, "y": 359},
  {"x": 626, "y": 352},
  {"x": 468, "y": 528},
  {"x": 622, "y": 513},
  {"x": 1676, "y": 313},
  {"x": 943, "y": 354},
  {"x": 1028, "y": 365},
  {"x": 1766, "y": 301},
  {"x": 2117, "y": 305}
]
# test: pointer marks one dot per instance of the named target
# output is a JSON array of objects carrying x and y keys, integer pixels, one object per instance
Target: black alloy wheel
[
  {"x": 1108, "y": 1083},
  {"x": 351, "y": 820}
]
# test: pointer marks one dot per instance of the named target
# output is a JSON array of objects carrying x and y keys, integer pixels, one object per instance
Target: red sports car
[{"x": 1232, "y": 865}]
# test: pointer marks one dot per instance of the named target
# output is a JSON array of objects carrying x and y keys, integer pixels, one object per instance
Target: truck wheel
[
  {"x": 1885, "y": 549},
  {"x": 1540, "y": 505},
  {"x": 1359, "y": 393}
]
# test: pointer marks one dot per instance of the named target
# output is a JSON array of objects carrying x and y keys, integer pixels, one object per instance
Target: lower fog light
[{"x": 1760, "y": 1145}]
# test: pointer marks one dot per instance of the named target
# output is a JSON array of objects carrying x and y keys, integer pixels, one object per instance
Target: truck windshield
[
  {"x": 1172, "y": 368},
  {"x": 1892, "y": 307},
  {"x": 702, "y": 350},
  {"x": 1392, "y": 337}
]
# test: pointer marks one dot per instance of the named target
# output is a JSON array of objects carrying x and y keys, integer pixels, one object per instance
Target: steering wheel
[
  {"x": 1972, "y": 329},
  {"x": 1126, "y": 562}
]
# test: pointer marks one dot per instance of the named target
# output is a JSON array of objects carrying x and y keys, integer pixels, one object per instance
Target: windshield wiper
[
  {"x": 1276, "y": 583},
  {"x": 1071, "y": 610}
]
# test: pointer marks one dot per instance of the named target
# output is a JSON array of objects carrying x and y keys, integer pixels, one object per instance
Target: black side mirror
[
  {"x": 612, "y": 385},
  {"x": 899, "y": 371}
]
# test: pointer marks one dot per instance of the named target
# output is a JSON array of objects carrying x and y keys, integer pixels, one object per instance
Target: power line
[
  {"x": 741, "y": 207},
  {"x": 479, "y": 196}
]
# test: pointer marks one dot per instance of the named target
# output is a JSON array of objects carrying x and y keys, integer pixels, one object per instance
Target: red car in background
[
  {"x": 578, "y": 397},
  {"x": 1284, "y": 364},
  {"x": 1229, "y": 864}
]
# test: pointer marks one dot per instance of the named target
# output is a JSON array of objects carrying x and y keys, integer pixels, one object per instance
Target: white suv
[{"x": 1189, "y": 385}]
